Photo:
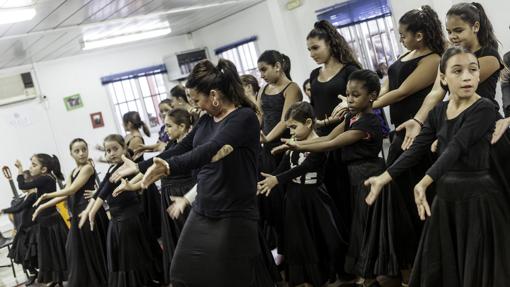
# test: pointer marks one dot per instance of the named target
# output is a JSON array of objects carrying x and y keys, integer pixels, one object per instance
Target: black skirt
[
  {"x": 465, "y": 242},
  {"x": 133, "y": 254},
  {"x": 152, "y": 209},
  {"x": 271, "y": 207},
  {"x": 219, "y": 252},
  {"x": 374, "y": 232},
  {"x": 86, "y": 255},
  {"x": 313, "y": 245},
  {"x": 51, "y": 242},
  {"x": 24, "y": 247},
  {"x": 171, "y": 229}
]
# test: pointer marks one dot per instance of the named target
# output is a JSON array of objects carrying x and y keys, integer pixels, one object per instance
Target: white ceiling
[{"x": 57, "y": 29}]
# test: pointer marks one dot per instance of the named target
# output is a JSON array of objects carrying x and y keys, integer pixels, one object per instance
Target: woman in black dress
[
  {"x": 410, "y": 79},
  {"x": 274, "y": 101},
  {"x": 465, "y": 239},
  {"x": 133, "y": 254},
  {"x": 312, "y": 242},
  {"x": 219, "y": 238},
  {"x": 52, "y": 231},
  {"x": 85, "y": 249},
  {"x": 469, "y": 27}
]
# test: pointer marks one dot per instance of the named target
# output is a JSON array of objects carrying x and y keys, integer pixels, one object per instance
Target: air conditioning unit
[
  {"x": 180, "y": 65},
  {"x": 16, "y": 88}
]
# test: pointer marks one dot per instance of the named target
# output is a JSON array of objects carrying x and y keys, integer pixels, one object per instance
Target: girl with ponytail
[
  {"x": 132, "y": 124},
  {"x": 275, "y": 99},
  {"x": 223, "y": 218},
  {"x": 469, "y": 27},
  {"x": 52, "y": 231}
]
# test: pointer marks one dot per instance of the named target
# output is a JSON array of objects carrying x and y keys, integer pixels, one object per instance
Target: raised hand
[
  {"x": 178, "y": 206},
  {"x": 341, "y": 108},
  {"x": 88, "y": 194},
  {"x": 129, "y": 167},
  {"x": 157, "y": 170},
  {"x": 84, "y": 215},
  {"x": 19, "y": 166},
  {"x": 40, "y": 199},
  {"x": 501, "y": 127},
  {"x": 223, "y": 152},
  {"x": 265, "y": 186},
  {"x": 125, "y": 185},
  {"x": 376, "y": 184},
  {"x": 420, "y": 199},
  {"x": 413, "y": 129}
]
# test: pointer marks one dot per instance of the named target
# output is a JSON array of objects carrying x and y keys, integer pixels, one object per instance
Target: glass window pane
[
  {"x": 132, "y": 106},
  {"x": 160, "y": 83},
  {"x": 128, "y": 91},
  {"x": 152, "y": 84},
  {"x": 119, "y": 92},
  {"x": 123, "y": 109},
  {"x": 144, "y": 86}
]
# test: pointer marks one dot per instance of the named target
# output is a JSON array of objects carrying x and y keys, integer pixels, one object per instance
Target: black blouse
[
  {"x": 301, "y": 168},
  {"x": 464, "y": 142},
  {"x": 44, "y": 184},
  {"x": 368, "y": 147}
]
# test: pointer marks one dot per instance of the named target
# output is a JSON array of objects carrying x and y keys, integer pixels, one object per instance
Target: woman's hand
[
  {"x": 129, "y": 167},
  {"x": 265, "y": 186},
  {"x": 223, "y": 152},
  {"x": 501, "y": 127},
  {"x": 413, "y": 129},
  {"x": 376, "y": 184},
  {"x": 88, "y": 194},
  {"x": 178, "y": 206},
  {"x": 157, "y": 170}
]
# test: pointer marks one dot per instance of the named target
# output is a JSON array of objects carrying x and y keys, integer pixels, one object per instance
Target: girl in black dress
[
  {"x": 409, "y": 80},
  {"x": 274, "y": 101},
  {"x": 52, "y": 231},
  {"x": 465, "y": 239},
  {"x": 85, "y": 248},
  {"x": 178, "y": 124},
  {"x": 469, "y": 27},
  {"x": 311, "y": 239},
  {"x": 219, "y": 239},
  {"x": 134, "y": 140},
  {"x": 24, "y": 245},
  {"x": 372, "y": 246},
  {"x": 133, "y": 253}
]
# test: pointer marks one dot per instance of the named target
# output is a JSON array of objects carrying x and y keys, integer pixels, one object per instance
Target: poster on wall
[
  {"x": 73, "y": 102},
  {"x": 97, "y": 120}
]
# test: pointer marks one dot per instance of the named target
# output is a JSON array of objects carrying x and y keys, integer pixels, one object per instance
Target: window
[
  {"x": 140, "y": 90},
  {"x": 367, "y": 26},
  {"x": 243, "y": 54}
]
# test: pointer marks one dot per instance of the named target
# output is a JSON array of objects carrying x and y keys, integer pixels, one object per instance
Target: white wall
[{"x": 51, "y": 127}]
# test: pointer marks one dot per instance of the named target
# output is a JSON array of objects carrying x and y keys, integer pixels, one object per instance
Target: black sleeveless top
[
  {"x": 132, "y": 152},
  {"x": 272, "y": 107},
  {"x": 77, "y": 200},
  {"x": 324, "y": 95},
  {"x": 487, "y": 88},
  {"x": 398, "y": 72}
]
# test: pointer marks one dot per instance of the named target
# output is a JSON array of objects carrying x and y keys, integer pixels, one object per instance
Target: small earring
[{"x": 215, "y": 103}]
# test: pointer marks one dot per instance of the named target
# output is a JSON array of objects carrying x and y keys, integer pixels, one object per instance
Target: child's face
[
  {"x": 113, "y": 151},
  {"x": 269, "y": 73},
  {"x": 461, "y": 33},
  {"x": 462, "y": 75},
  {"x": 164, "y": 108},
  {"x": 80, "y": 152},
  {"x": 358, "y": 98},
  {"x": 173, "y": 130},
  {"x": 36, "y": 167},
  {"x": 299, "y": 130},
  {"x": 407, "y": 38}
]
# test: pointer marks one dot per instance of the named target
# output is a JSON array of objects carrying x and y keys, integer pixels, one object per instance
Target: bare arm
[
  {"x": 292, "y": 95},
  {"x": 86, "y": 172},
  {"x": 423, "y": 76},
  {"x": 347, "y": 138}
]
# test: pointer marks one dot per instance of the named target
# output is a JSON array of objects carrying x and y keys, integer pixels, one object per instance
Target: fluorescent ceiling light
[
  {"x": 121, "y": 33},
  {"x": 14, "y": 15},
  {"x": 126, "y": 38}
]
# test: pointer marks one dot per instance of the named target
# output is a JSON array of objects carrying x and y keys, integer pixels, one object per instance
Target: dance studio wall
[{"x": 51, "y": 127}]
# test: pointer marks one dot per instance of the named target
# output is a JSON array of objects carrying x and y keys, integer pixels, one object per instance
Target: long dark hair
[
  {"x": 340, "y": 49},
  {"x": 180, "y": 116},
  {"x": 474, "y": 12},
  {"x": 271, "y": 57},
  {"x": 223, "y": 77},
  {"x": 134, "y": 118},
  {"x": 425, "y": 20},
  {"x": 51, "y": 163},
  {"x": 178, "y": 92}
]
